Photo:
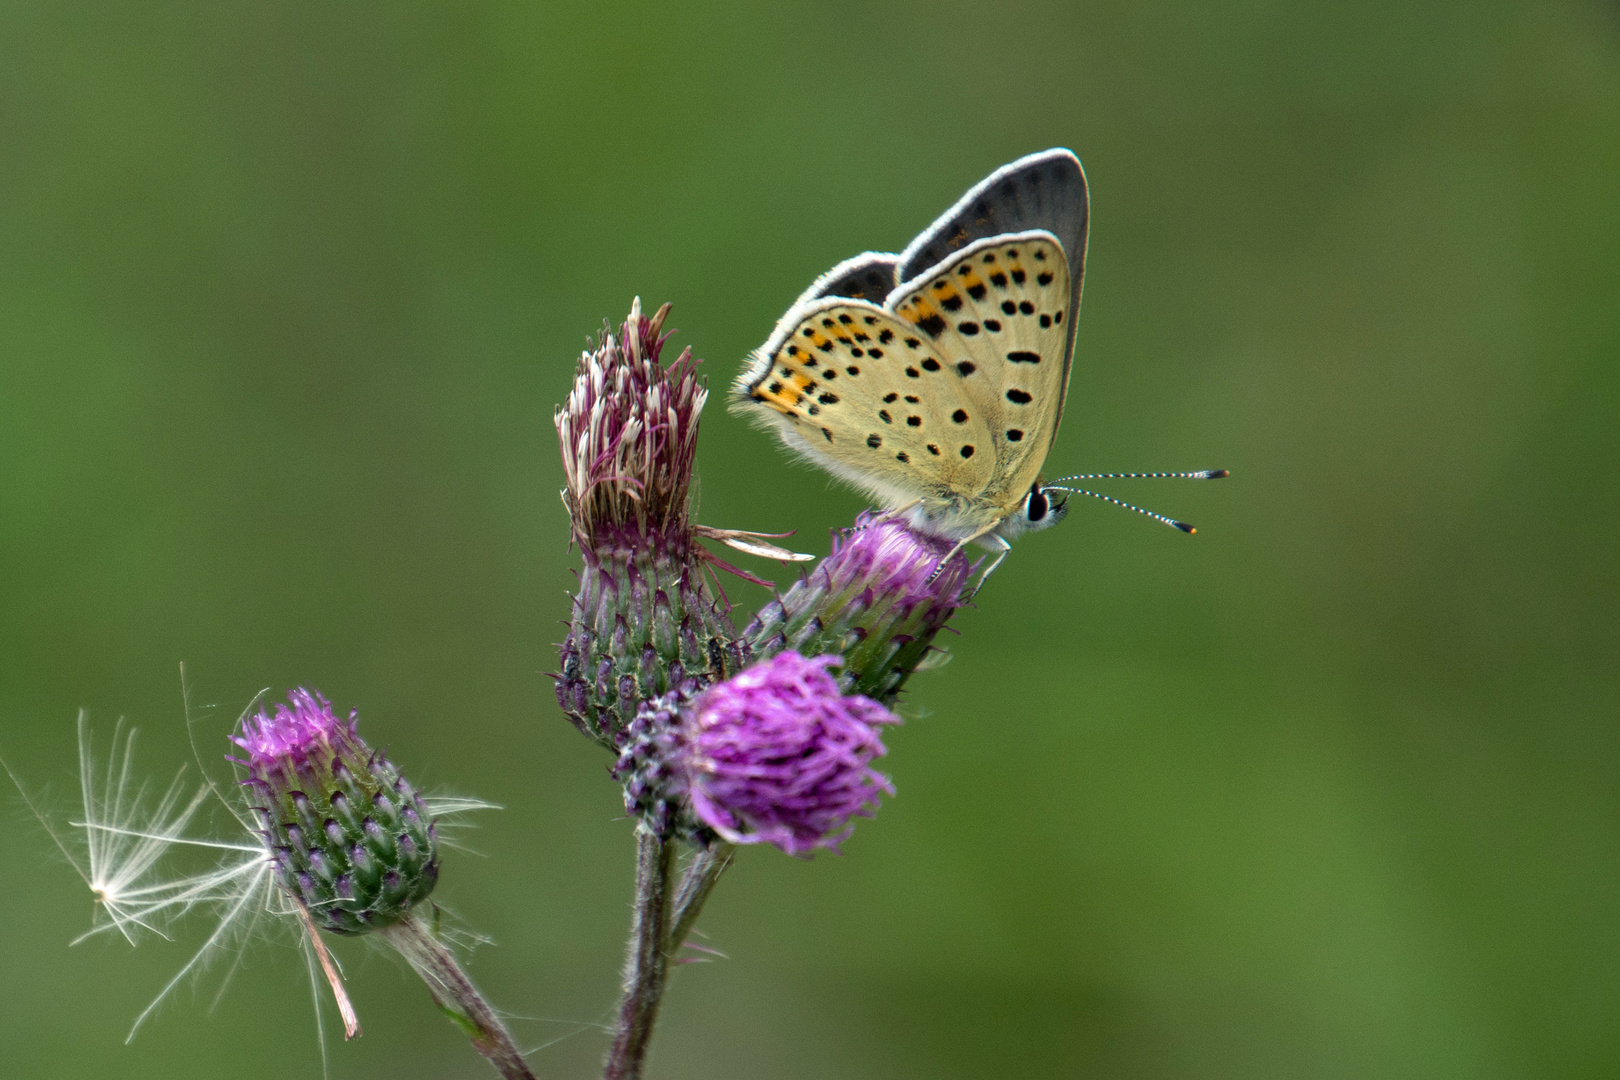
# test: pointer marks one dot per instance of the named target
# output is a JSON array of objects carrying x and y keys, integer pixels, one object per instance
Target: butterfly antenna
[
  {"x": 1172, "y": 522},
  {"x": 1202, "y": 474}
]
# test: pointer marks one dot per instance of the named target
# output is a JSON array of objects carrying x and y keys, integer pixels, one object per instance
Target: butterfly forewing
[
  {"x": 1046, "y": 190},
  {"x": 999, "y": 311},
  {"x": 868, "y": 396}
]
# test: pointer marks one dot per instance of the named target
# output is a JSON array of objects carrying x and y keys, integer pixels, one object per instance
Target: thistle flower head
[
  {"x": 629, "y": 437},
  {"x": 878, "y": 599},
  {"x": 643, "y": 619},
  {"x": 348, "y": 835},
  {"x": 776, "y": 754}
]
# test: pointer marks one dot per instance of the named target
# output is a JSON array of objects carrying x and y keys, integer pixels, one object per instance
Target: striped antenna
[
  {"x": 1172, "y": 522},
  {"x": 1202, "y": 474}
]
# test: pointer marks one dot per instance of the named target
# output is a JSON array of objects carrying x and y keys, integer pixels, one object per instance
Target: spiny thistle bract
[
  {"x": 776, "y": 754},
  {"x": 878, "y": 600},
  {"x": 644, "y": 619},
  {"x": 350, "y": 838}
]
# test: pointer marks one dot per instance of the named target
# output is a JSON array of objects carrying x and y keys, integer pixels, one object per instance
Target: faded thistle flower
[
  {"x": 349, "y": 837},
  {"x": 878, "y": 599},
  {"x": 644, "y": 619},
  {"x": 776, "y": 754}
]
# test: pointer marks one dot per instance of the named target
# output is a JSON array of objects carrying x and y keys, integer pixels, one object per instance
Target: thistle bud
[
  {"x": 651, "y": 768},
  {"x": 776, "y": 754},
  {"x": 643, "y": 620},
  {"x": 349, "y": 836},
  {"x": 877, "y": 600}
]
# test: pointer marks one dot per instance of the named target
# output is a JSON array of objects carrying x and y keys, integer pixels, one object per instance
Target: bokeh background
[{"x": 287, "y": 295}]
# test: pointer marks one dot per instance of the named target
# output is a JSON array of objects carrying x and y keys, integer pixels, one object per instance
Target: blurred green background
[{"x": 288, "y": 292}]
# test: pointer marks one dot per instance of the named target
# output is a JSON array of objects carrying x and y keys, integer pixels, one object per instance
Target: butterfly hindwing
[
  {"x": 865, "y": 277},
  {"x": 998, "y": 311},
  {"x": 867, "y": 396}
]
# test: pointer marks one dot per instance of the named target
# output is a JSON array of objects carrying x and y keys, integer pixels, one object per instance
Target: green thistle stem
[
  {"x": 661, "y": 924},
  {"x": 698, "y": 882},
  {"x": 455, "y": 993},
  {"x": 647, "y": 967}
]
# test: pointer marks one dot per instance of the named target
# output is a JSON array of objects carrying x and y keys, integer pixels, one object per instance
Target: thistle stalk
[
  {"x": 646, "y": 969},
  {"x": 663, "y": 919},
  {"x": 454, "y": 993}
]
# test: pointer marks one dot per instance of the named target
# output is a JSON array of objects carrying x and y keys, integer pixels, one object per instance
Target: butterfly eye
[{"x": 1035, "y": 508}]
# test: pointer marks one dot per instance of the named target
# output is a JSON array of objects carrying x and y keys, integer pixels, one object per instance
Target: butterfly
[{"x": 934, "y": 380}]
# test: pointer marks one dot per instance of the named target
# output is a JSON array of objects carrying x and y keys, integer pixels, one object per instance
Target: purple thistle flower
[
  {"x": 644, "y": 619},
  {"x": 349, "y": 836},
  {"x": 629, "y": 437},
  {"x": 878, "y": 600},
  {"x": 777, "y": 754}
]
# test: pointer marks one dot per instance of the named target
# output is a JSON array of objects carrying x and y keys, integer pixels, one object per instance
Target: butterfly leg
[
  {"x": 960, "y": 544},
  {"x": 1001, "y": 553}
]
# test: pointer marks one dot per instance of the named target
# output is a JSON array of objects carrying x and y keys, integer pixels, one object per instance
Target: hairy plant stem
[
  {"x": 698, "y": 882},
  {"x": 660, "y": 925},
  {"x": 455, "y": 994}
]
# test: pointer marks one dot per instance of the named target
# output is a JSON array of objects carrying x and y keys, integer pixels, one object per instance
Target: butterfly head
[{"x": 1041, "y": 508}]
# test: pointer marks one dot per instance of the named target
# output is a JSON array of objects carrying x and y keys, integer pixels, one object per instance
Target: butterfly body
[{"x": 934, "y": 380}]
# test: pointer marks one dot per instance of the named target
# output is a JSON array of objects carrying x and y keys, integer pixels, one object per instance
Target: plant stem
[
  {"x": 706, "y": 868},
  {"x": 647, "y": 966},
  {"x": 454, "y": 993},
  {"x": 661, "y": 926}
]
